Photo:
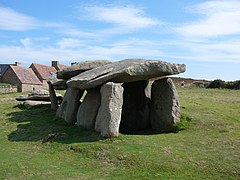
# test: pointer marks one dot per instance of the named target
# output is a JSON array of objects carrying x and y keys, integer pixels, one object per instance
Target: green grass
[
  {"x": 5, "y": 85},
  {"x": 34, "y": 144}
]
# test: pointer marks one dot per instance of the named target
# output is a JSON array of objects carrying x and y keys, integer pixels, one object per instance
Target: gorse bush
[
  {"x": 218, "y": 83},
  {"x": 233, "y": 85}
]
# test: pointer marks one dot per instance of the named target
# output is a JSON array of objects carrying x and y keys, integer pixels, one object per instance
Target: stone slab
[{"x": 128, "y": 70}]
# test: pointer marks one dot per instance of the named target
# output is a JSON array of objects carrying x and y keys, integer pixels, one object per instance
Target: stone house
[
  {"x": 43, "y": 72},
  {"x": 34, "y": 77},
  {"x": 24, "y": 78},
  {"x": 4, "y": 67}
]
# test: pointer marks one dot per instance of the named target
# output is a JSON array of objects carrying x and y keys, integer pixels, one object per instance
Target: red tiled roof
[
  {"x": 44, "y": 71},
  {"x": 62, "y": 66},
  {"x": 25, "y": 75}
]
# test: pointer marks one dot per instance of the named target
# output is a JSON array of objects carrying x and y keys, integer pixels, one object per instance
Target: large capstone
[
  {"x": 165, "y": 106},
  {"x": 69, "y": 106},
  {"x": 88, "y": 110},
  {"x": 109, "y": 114},
  {"x": 80, "y": 67},
  {"x": 135, "y": 111},
  {"x": 129, "y": 70}
]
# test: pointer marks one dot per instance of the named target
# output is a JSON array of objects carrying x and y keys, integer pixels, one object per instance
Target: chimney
[
  {"x": 73, "y": 63},
  {"x": 17, "y": 63},
  {"x": 55, "y": 64}
]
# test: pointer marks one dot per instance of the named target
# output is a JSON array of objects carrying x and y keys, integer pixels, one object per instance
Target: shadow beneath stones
[
  {"x": 140, "y": 132},
  {"x": 149, "y": 131},
  {"x": 40, "y": 124}
]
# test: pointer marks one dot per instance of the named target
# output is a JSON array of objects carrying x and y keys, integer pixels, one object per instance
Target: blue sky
[{"x": 204, "y": 35}]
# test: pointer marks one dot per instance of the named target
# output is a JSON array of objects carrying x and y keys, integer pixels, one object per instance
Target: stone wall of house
[
  {"x": 11, "y": 78},
  {"x": 36, "y": 72},
  {"x": 31, "y": 87},
  {"x": 45, "y": 84},
  {"x": 8, "y": 89}
]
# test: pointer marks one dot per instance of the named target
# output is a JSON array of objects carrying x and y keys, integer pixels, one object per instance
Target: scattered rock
[
  {"x": 30, "y": 103},
  {"x": 128, "y": 70},
  {"x": 22, "y": 98},
  {"x": 69, "y": 106},
  {"x": 109, "y": 114},
  {"x": 39, "y": 95},
  {"x": 165, "y": 106},
  {"x": 80, "y": 67},
  {"x": 52, "y": 135},
  {"x": 88, "y": 110}
]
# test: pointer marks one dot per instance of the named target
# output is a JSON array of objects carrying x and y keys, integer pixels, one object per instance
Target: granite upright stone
[
  {"x": 53, "y": 98},
  {"x": 109, "y": 114},
  {"x": 88, "y": 110},
  {"x": 165, "y": 105},
  {"x": 69, "y": 106}
]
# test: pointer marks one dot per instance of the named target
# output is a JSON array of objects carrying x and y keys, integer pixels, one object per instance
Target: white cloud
[
  {"x": 218, "y": 18},
  {"x": 15, "y": 21},
  {"x": 128, "y": 17},
  {"x": 213, "y": 37},
  {"x": 75, "y": 32},
  {"x": 65, "y": 51},
  {"x": 26, "y": 42},
  {"x": 69, "y": 43},
  {"x": 204, "y": 51},
  {"x": 98, "y": 44},
  {"x": 11, "y": 20}
]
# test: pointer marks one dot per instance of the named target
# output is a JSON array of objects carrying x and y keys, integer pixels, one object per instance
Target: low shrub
[
  {"x": 184, "y": 122},
  {"x": 218, "y": 83},
  {"x": 234, "y": 85}
]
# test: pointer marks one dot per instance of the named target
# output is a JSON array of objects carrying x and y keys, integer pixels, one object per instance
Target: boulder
[
  {"x": 30, "y": 103},
  {"x": 69, "y": 106},
  {"x": 38, "y": 95},
  {"x": 135, "y": 110},
  {"x": 164, "y": 106},
  {"x": 109, "y": 114},
  {"x": 88, "y": 110},
  {"x": 22, "y": 98},
  {"x": 79, "y": 68},
  {"x": 128, "y": 70}
]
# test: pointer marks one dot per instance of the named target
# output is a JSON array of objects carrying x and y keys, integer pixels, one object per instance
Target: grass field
[{"x": 34, "y": 144}]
